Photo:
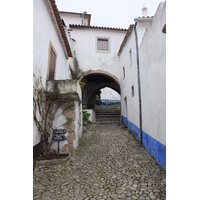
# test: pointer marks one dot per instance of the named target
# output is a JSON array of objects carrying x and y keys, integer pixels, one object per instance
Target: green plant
[
  {"x": 82, "y": 84},
  {"x": 86, "y": 116},
  {"x": 76, "y": 72},
  {"x": 69, "y": 121}
]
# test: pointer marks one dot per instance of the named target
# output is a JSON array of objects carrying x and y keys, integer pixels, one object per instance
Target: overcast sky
[{"x": 110, "y": 13}]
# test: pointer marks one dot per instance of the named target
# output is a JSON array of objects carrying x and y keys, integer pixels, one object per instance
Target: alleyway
[{"x": 108, "y": 164}]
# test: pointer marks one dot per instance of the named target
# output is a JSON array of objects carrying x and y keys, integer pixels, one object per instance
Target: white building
[
  {"x": 153, "y": 86},
  {"x": 96, "y": 51},
  {"x": 146, "y": 122},
  {"x": 51, "y": 58},
  {"x": 75, "y": 18}
]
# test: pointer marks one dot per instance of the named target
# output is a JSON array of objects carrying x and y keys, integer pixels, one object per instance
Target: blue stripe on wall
[{"x": 155, "y": 149}]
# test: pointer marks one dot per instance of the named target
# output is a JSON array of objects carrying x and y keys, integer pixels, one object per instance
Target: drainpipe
[{"x": 139, "y": 87}]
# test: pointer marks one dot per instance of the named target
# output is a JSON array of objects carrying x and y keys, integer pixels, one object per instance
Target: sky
[{"x": 110, "y": 13}]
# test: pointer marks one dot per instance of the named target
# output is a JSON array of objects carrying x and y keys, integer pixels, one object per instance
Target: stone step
[
  {"x": 107, "y": 122},
  {"x": 104, "y": 110},
  {"x": 107, "y": 116},
  {"x": 105, "y": 113},
  {"x": 106, "y": 119}
]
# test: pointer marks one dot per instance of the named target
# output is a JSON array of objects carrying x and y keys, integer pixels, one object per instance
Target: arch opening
[
  {"x": 109, "y": 96},
  {"x": 94, "y": 82}
]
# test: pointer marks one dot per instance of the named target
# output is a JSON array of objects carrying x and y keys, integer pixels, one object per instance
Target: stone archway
[{"x": 94, "y": 81}]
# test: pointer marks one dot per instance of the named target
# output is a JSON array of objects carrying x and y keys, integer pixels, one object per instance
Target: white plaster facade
[
  {"x": 152, "y": 71},
  {"x": 84, "y": 19},
  {"x": 129, "y": 102},
  {"x": 92, "y": 117},
  {"x": 43, "y": 33},
  {"x": 75, "y": 18},
  {"x": 89, "y": 57},
  {"x": 46, "y": 33},
  {"x": 110, "y": 94},
  {"x": 152, "y": 66},
  {"x": 153, "y": 77},
  {"x": 142, "y": 26}
]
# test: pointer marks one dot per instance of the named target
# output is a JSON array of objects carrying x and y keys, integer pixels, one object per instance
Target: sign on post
[
  {"x": 58, "y": 136},
  {"x": 60, "y": 131}
]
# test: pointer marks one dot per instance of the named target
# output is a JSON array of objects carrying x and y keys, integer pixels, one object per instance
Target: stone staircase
[{"x": 108, "y": 114}]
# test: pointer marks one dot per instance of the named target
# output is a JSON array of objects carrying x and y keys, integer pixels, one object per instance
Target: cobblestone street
[{"x": 108, "y": 164}]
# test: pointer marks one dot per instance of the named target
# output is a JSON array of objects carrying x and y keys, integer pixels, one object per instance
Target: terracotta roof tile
[
  {"x": 148, "y": 17},
  {"x": 125, "y": 38},
  {"x": 60, "y": 25},
  {"x": 95, "y": 27}
]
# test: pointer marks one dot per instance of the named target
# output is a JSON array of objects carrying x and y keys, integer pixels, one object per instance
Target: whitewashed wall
[
  {"x": 130, "y": 79},
  {"x": 73, "y": 18},
  {"x": 44, "y": 32},
  {"x": 142, "y": 25},
  {"x": 89, "y": 58},
  {"x": 110, "y": 94},
  {"x": 153, "y": 77},
  {"x": 152, "y": 57}
]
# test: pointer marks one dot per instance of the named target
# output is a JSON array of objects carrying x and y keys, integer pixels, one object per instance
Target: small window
[
  {"x": 52, "y": 62},
  {"x": 102, "y": 44},
  {"x": 130, "y": 55},
  {"x": 123, "y": 72},
  {"x": 132, "y": 90}
]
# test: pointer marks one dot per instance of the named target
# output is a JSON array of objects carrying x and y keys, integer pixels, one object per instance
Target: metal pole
[
  {"x": 58, "y": 148},
  {"x": 139, "y": 88}
]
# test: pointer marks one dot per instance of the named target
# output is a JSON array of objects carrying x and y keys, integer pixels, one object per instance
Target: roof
[
  {"x": 125, "y": 38},
  {"x": 60, "y": 26},
  {"x": 95, "y": 27},
  {"x": 73, "y": 13},
  {"x": 143, "y": 18}
]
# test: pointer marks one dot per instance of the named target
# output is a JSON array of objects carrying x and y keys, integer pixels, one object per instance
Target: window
[
  {"x": 132, "y": 89},
  {"x": 130, "y": 55},
  {"x": 102, "y": 44},
  {"x": 52, "y": 62},
  {"x": 123, "y": 72}
]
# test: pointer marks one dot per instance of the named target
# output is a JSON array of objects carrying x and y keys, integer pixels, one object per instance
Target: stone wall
[{"x": 68, "y": 117}]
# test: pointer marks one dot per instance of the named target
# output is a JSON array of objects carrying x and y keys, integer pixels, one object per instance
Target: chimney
[
  {"x": 83, "y": 18},
  {"x": 144, "y": 11}
]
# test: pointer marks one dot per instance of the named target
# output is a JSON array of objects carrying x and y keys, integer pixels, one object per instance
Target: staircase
[{"x": 108, "y": 114}]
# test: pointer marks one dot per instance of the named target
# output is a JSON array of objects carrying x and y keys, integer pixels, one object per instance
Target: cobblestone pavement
[{"x": 108, "y": 164}]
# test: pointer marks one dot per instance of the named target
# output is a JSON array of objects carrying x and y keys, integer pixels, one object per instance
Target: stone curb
[{"x": 53, "y": 162}]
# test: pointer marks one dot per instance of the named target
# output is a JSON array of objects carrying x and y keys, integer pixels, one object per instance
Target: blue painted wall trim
[
  {"x": 155, "y": 149},
  {"x": 107, "y": 102}
]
